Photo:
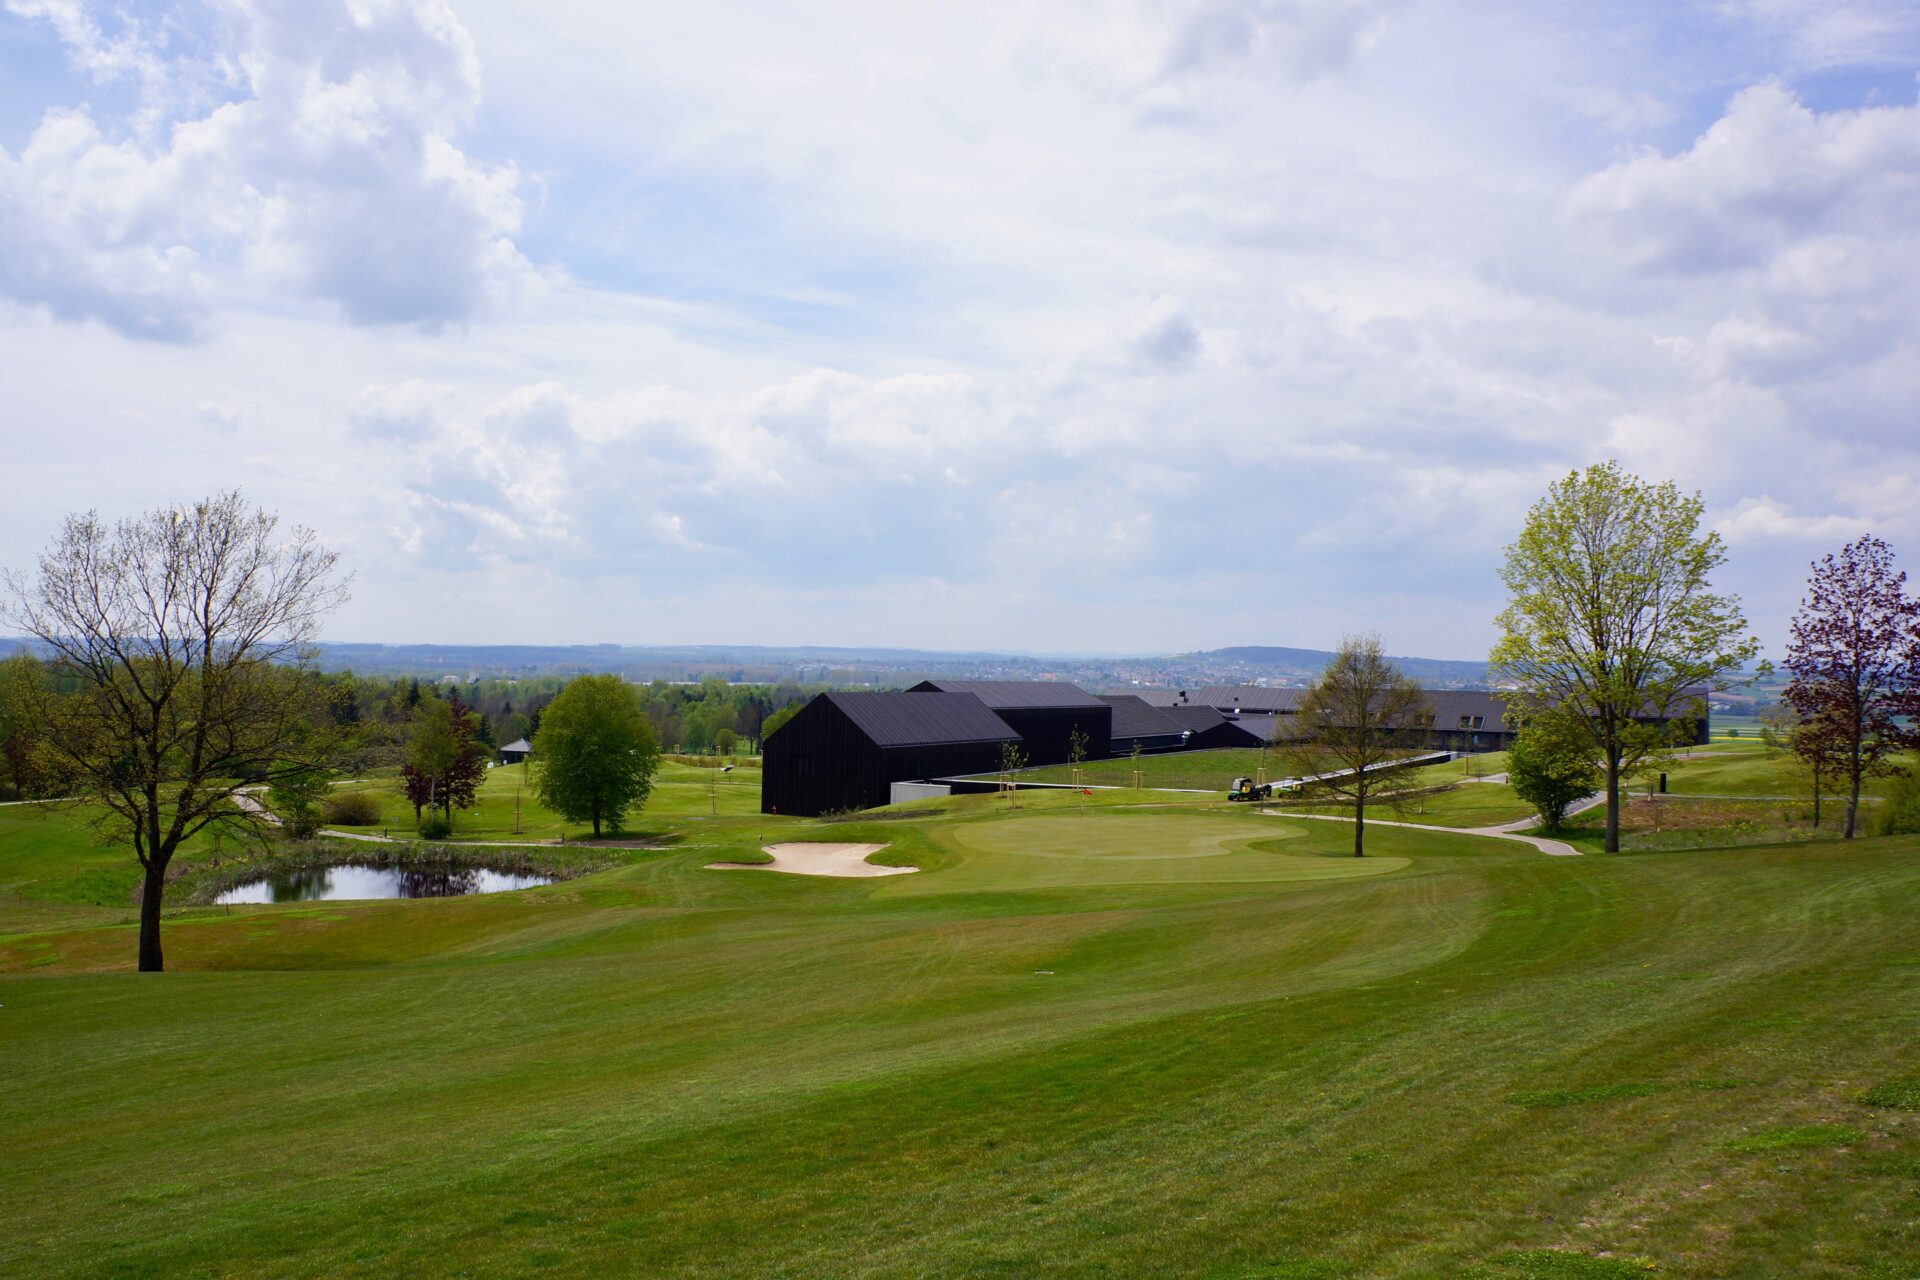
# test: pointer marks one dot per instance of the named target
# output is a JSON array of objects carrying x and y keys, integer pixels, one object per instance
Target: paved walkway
[{"x": 1505, "y": 831}]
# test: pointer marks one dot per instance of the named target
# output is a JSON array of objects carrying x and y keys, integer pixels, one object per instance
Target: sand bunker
[{"x": 818, "y": 860}]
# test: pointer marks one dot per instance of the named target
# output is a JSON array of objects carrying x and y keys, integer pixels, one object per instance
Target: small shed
[{"x": 516, "y": 751}]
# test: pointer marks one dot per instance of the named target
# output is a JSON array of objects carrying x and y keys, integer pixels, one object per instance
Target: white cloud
[
  {"x": 1763, "y": 519},
  {"x": 935, "y": 324},
  {"x": 1766, "y": 176},
  {"x": 330, "y": 169}
]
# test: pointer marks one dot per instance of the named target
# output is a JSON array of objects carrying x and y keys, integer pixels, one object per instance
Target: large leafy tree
[
  {"x": 445, "y": 763},
  {"x": 1854, "y": 653},
  {"x": 1612, "y": 620},
  {"x": 180, "y": 634},
  {"x": 595, "y": 756},
  {"x": 1353, "y": 729}
]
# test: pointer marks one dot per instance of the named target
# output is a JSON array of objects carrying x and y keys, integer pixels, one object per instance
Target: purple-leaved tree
[{"x": 1854, "y": 652}]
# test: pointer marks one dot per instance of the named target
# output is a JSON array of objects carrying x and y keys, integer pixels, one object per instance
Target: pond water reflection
[{"x": 327, "y": 884}]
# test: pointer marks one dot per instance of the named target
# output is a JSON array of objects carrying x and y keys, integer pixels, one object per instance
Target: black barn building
[
  {"x": 1045, "y": 713},
  {"x": 1207, "y": 728},
  {"x": 1135, "y": 724},
  {"x": 844, "y": 750}
]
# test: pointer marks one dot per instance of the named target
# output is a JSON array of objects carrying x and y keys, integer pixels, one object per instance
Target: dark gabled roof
[
  {"x": 1162, "y": 697},
  {"x": 921, "y": 719},
  {"x": 1196, "y": 719},
  {"x": 1133, "y": 718},
  {"x": 1451, "y": 704},
  {"x": 1264, "y": 727},
  {"x": 1246, "y": 697},
  {"x": 1016, "y": 695}
]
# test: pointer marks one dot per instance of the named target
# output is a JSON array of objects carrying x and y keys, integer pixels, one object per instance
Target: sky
[{"x": 1079, "y": 325}]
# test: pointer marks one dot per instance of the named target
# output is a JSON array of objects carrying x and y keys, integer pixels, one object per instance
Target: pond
[{"x": 328, "y": 884}]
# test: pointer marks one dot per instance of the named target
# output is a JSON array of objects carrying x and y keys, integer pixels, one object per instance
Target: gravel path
[{"x": 1505, "y": 831}]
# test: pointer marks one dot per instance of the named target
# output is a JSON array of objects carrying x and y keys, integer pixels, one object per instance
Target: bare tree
[
  {"x": 185, "y": 630},
  {"x": 1353, "y": 728}
]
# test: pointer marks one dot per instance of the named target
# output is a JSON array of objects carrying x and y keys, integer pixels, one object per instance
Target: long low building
[
  {"x": 847, "y": 750},
  {"x": 1471, "y": 720}
]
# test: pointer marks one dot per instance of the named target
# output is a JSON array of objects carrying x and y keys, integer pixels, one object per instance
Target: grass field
[
  {"x": 1087, "y": 1039},
  {"x": 1212, "y": 770},
  {"x": 1180, "y": 770},
  {"x": 679, "y": 791}
]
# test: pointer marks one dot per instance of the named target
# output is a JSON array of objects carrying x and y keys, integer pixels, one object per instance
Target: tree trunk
[
  {"x": 596, "y": 821},
  {"x": 151, "y": 891},
  {"x": 1613, "y": 803},
  {"x": 1816, "y": 800},
  {"x": 1359, "y": 828},
  {"x": 1853, "y": 796}
]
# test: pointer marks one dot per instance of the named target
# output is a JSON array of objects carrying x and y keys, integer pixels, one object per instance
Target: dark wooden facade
[{"x": 844, "y": 751}]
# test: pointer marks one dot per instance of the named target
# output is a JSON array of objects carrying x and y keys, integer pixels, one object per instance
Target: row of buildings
[{"x": 848, "y": 750}]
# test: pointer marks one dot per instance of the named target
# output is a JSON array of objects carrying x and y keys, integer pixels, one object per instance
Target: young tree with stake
[
  {"x": 184, "y": 630},
  {"x": 1612, "y": 622}
]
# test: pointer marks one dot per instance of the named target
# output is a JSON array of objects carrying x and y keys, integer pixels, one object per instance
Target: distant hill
[
  {"x": 1272, "y": 660},
  {"x": 851, "y": 665}
]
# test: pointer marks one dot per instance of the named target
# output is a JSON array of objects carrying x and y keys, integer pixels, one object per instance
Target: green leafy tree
[
  {"x": 181, "y": 635},
  {"x": 23, "y": 746},
  {"x": 297, "y": 793},
  {"x": 777, "y": 719},
  {"x": 445, "y": 763},
  {"x": 725, "y": 741},
  {"x": 1612, "y": 619},
  {"x": 595, "y": 756},
  {"x": 1550, "y": 766},
  {"x": 1899, "y": 813},
  {"x": 1353, "y": 729},
  {"x": 1777, "y": 724}
]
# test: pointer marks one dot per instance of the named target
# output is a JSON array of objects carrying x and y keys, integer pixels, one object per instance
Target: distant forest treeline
[
  {"x": 690, "y": 718},
  {"x": 711, "y": 716}
]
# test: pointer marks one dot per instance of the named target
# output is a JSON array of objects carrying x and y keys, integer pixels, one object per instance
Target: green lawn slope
[{"x": 1111, "y": 1038}]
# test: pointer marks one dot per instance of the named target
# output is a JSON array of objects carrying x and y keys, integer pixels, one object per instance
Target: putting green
[{"x": 1073, "y": 851}]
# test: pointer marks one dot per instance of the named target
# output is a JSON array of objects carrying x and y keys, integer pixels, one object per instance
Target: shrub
[
  {"x": 435, "y": 827},
  {"x": 352, "y": 809},
  {"x": 1899, "y": 813}
]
